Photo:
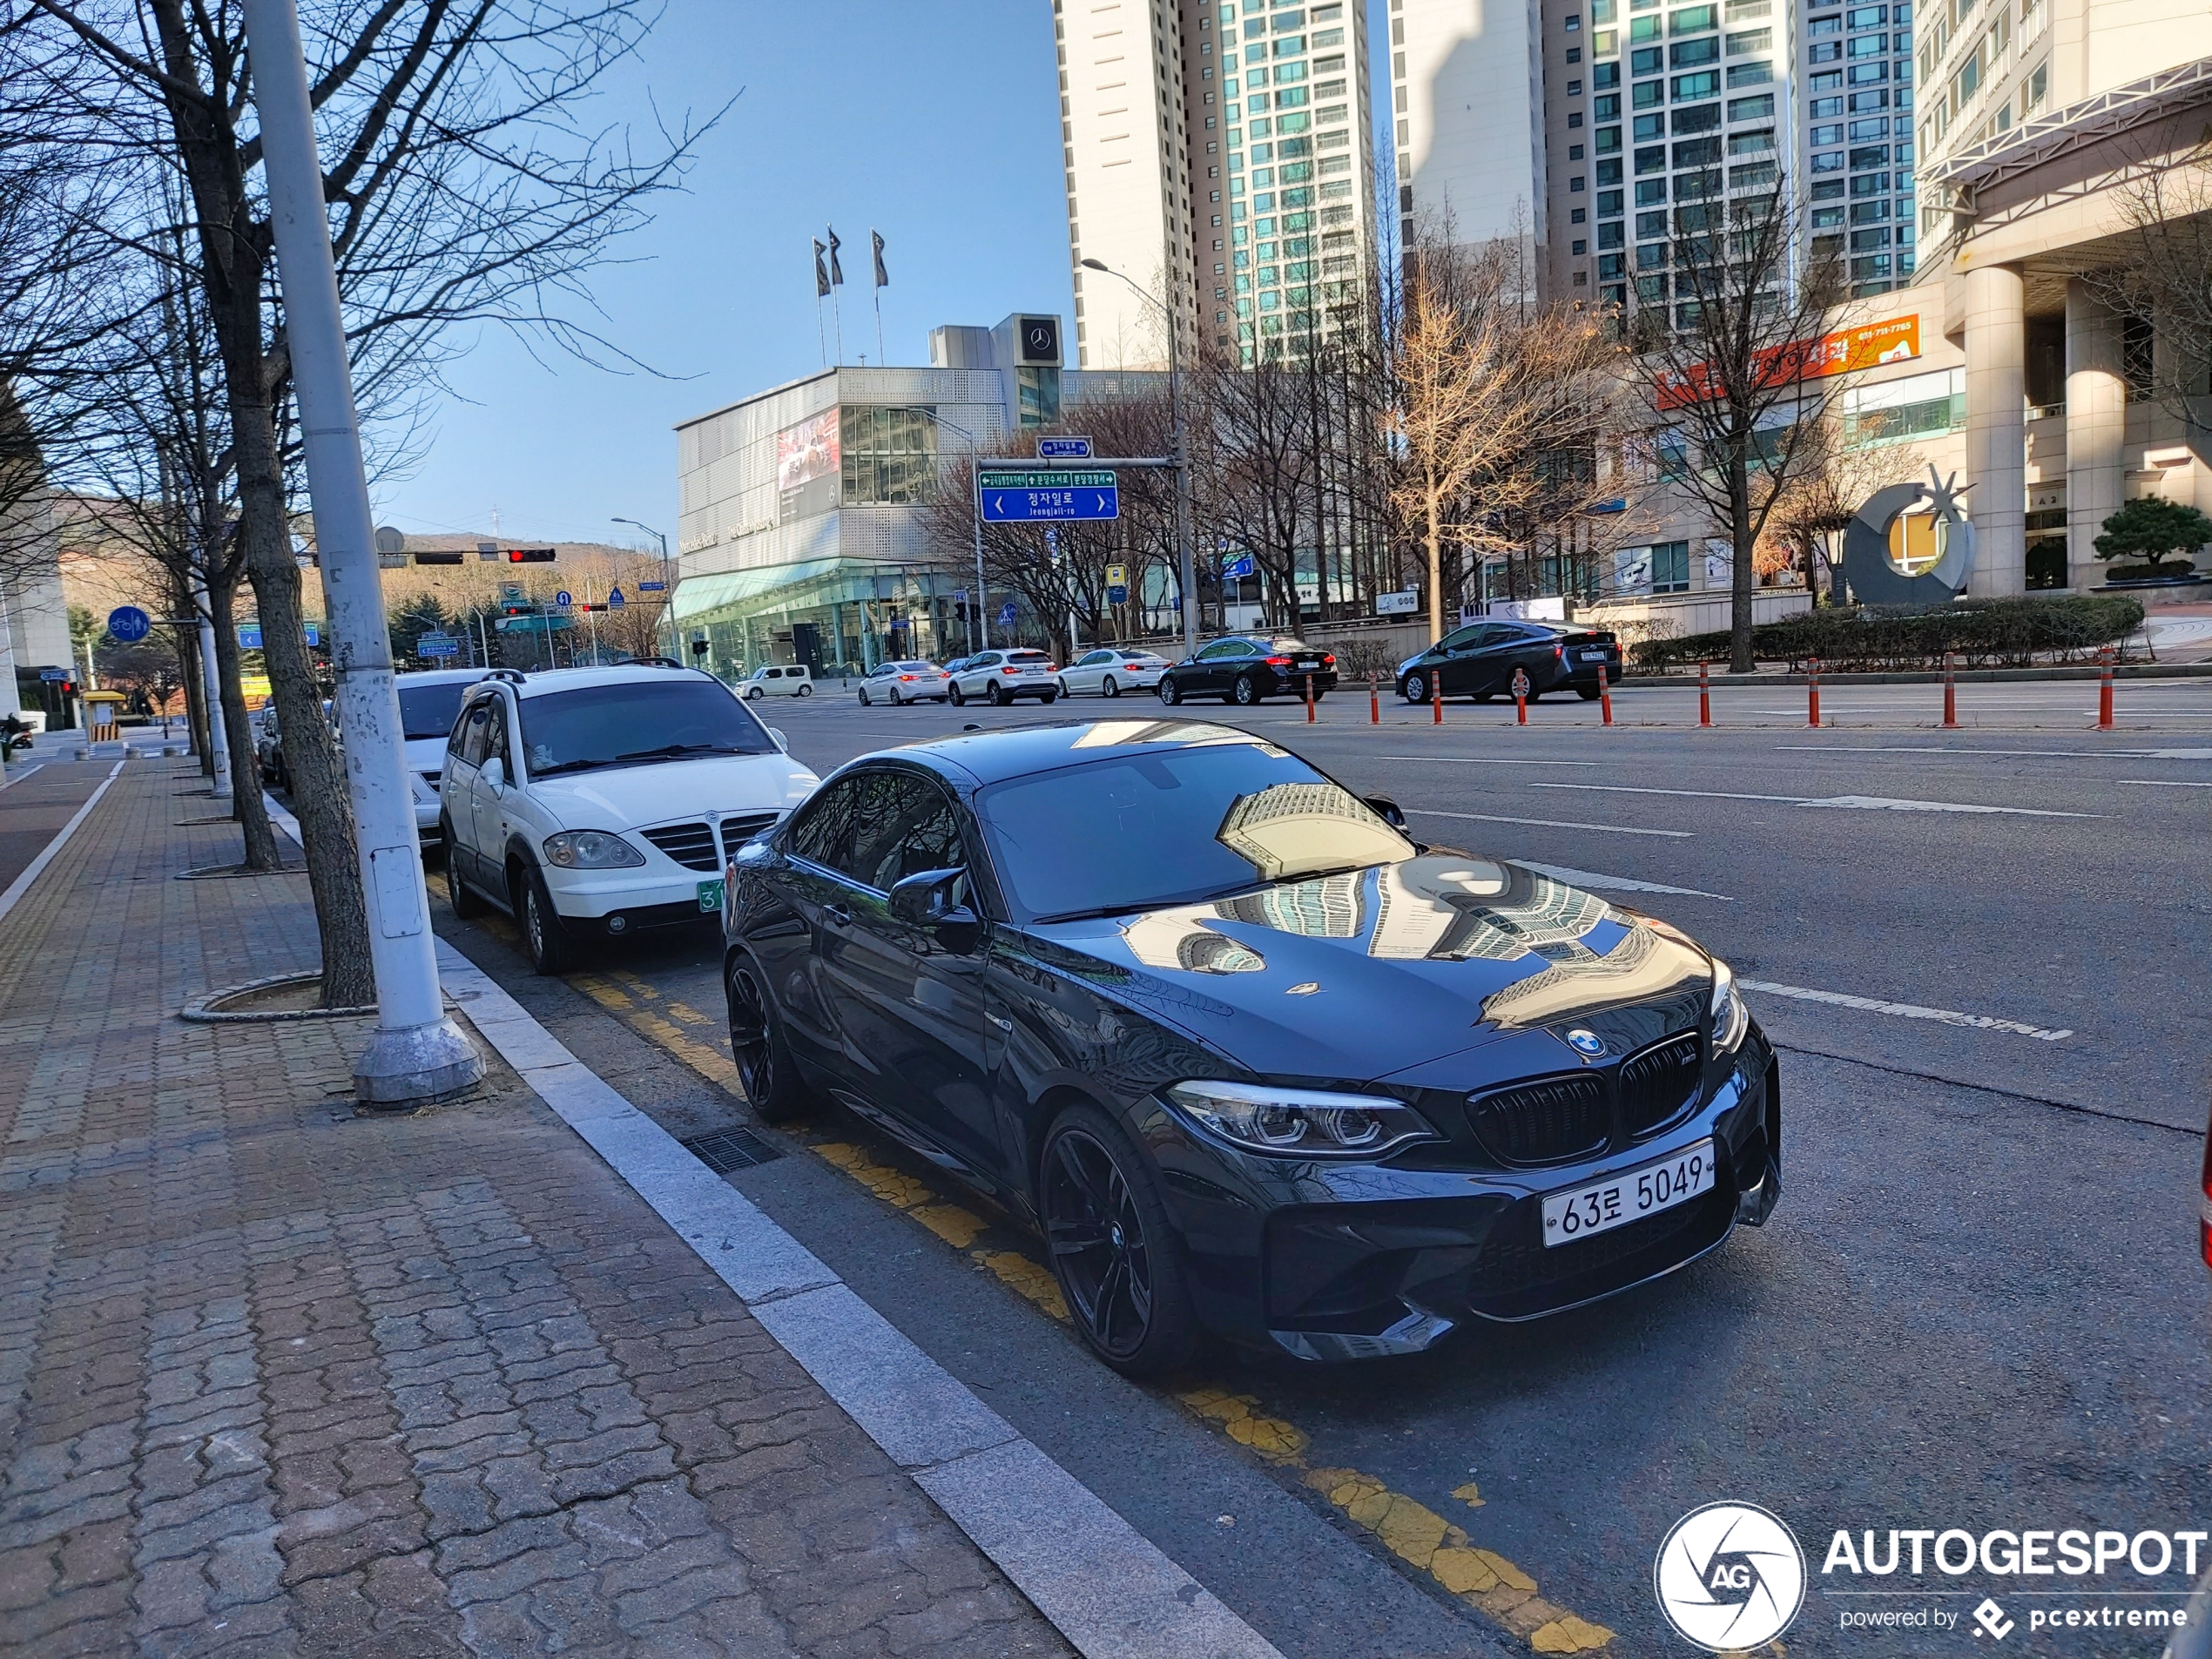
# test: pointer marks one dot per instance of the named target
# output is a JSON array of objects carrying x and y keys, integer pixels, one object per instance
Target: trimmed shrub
[{"x": 1985, "y": 633}]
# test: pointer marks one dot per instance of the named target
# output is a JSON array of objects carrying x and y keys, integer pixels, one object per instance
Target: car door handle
[{"x": 839, "y": 913}]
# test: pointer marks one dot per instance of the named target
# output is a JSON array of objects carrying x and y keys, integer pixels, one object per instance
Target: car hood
[
  {"x": 426, "y": 754},
  {"x": 619, "y": 798},
  {"x": 1362, "y": 976}
]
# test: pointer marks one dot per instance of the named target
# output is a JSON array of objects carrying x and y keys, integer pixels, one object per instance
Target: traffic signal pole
[{"x": 418, "y": 1053}]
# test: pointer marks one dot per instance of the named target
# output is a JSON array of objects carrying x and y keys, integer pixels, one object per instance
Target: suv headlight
[
  {"x": 590, "y": 850},
  {"x": 1299, "y": 1122},
  {"x": 1730, "y": 1018}
]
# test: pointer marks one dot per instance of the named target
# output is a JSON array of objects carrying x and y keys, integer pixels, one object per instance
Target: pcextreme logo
[{"x": 1730, "y": 1576}]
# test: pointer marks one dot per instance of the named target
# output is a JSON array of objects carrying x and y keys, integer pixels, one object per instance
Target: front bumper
[
  {"x": 1348, "y": 1261},
  {"x": 589, "y": 899}
]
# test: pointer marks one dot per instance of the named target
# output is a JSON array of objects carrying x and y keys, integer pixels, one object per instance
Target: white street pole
[
  {"x": 418, "y": 1053},
  {"x": 982, "y": 619},
  {"x": 210, "y": 678}
]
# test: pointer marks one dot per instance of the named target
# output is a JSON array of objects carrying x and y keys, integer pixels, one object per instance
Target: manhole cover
[{"x": 731, "y": 1148}]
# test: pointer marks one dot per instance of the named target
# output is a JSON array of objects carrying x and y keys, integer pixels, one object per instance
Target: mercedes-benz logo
[
  {"x": 1730, "y": 1576},
  {"x": 1585, "y": 1043}
]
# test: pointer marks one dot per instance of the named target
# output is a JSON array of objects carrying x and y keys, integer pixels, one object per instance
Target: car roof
[
  {"x": 440, "y": 677},
  {"x": 991, "y": 757},
  {"x": 576, "y": 679}
]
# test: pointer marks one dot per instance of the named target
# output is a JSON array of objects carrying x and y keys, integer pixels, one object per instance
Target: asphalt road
[{"x": 1978, "y": 1306}]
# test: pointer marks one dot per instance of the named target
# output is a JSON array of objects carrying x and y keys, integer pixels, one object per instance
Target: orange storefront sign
[{"x": 1894, "y": 340}]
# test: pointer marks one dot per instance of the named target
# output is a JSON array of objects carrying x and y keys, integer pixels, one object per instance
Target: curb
[
  {"x": 201, "y": 1010},
  {"x": 1928, "y": 676}
]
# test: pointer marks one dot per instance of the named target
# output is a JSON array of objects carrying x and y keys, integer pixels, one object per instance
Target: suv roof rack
[
  {"x": 654, "y": 661},
  {"x": 513, "y": 676}
]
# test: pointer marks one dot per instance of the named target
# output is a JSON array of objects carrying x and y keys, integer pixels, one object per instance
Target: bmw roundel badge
[{"x": 1586, "y": 1043}]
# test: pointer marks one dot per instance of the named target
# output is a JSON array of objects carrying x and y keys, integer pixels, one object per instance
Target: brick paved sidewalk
[{"x": 275, "y": 1379}]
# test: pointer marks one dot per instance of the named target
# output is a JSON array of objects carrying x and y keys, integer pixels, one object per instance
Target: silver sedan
[{"x": 1110, "y": 672}]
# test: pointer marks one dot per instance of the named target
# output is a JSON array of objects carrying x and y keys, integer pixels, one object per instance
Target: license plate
[
  {"x": 1309, "y": 664},
  {"x": 710, "y": 895},
  {"x": 1630, "y": 1195},
  {"x": 1595, "y": 656}
]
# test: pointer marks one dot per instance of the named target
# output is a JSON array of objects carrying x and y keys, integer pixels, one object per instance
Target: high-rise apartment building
[
  {"x": 1217, "y": 151},
  {"x": 1584, "y": 129}
]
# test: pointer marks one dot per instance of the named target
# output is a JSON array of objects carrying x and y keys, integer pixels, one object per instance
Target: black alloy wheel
[
  {"x": 999, "y": 699},
  {"x": 1244, "y": 691},
  {"x": 959, "y": 696},
  {"x": 1113, "y": 1249},
  {"x": 464, "y": 899},
  {"x": 1112, "y": 687},
  {"x": 550, "y": 950},
  {"x": 1414, "y": 687},
  {"x": 757, "y": 1044},
  {"x": 1170, "y": 693}
]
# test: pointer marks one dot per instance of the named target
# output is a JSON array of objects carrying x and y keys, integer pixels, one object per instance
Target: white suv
[
  {"x": 429, "y": 702},
  {"x": 594, "y": 803},
  {"x": 1002, "y": 676}
]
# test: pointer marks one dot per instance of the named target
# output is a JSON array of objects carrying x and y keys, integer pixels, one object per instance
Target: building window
[
  {"x": 1671, "y": 567},
  {"x": 890, "y": 455}
]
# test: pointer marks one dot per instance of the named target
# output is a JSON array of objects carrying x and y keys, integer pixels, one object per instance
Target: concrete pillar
[
  {"x": 2096, "y": 427},
  {"x": 1997, "y": 427}
]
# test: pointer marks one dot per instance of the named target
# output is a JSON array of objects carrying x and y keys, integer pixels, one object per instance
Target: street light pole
[
  {"x": 1186, "y": 553},
  {"x": 418, "y": 1053},
  {"x": 668, "y": 588},
  {"x": 975, "y": 479}
]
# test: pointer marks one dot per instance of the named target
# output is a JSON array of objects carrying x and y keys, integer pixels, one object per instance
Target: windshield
[
  {"x": 1138, "y": 832},
  {"x": 430, "y": 710},
  {"x": 635, "y": 721}
]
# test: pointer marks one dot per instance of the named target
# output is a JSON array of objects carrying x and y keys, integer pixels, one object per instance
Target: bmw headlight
[
  {"x": 1730, "y": 1018},
  {"x": 1299, "y": 1122},
  {"x": 590, "y": 850}
]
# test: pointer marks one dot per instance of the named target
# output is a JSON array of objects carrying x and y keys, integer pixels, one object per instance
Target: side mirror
[
  {"x": 933, "y": 899},
  {"x": 494, "y": 772},
  {"x": 1388, "y": 810},
  {"x": 782, "y": 742}
]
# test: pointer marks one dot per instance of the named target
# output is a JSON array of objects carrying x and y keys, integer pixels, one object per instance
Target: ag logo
[{"x": 1730, "y": 1576}]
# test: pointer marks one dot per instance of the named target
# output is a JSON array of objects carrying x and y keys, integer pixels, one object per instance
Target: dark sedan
[
  {"x": 1252, "y": 1062},
  {"x": 1478, "y": 661},
  {"x": 1248, "y": 669}
]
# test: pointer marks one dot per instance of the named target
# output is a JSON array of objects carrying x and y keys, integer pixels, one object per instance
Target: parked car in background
[
  {"x": 596, "y": 803},
  {"x": 1479, "y": 660},
  {"x": 999, "y": 676},
  {"x": 1110, "y": 671},
  {"x": 778, "y": 680},
  {"x": 430, "y": 704},
  {"x": 268, "y": 750},
  {"x": 1248, "y": 669},
  {"x": 908, "y": 681}
]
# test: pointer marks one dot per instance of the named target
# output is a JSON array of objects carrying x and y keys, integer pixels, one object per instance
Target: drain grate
[{"x": 731, "y": 1148}]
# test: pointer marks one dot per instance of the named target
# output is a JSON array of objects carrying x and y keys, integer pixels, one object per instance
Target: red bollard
[
  {"x": 1704, "y": 694},
  {"x": 1309, "y": 699},
  {"x": 1375, "y": 700},
  {"x": 2104, "y": 690},
  {"x": 1950, "y": 693},
  {"x": 1604, "y": 695},
  {"x": 1812, "y": 691},
  {"x": 1436, "y": 690},
  {"x": 1521, "y": 695}
]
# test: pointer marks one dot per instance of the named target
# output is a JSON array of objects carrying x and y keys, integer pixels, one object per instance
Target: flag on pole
[
  {"x": 882, "y": 276},
  {"x": 836, "y": 271},
  {"x": 821, "y": 275}
]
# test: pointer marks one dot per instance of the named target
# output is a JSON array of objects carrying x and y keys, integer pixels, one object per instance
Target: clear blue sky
[{"x": 937, "y": 122}]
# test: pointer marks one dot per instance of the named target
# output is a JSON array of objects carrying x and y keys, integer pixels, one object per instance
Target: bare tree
[
  {"x": 1723, "y": 368},
  {"x": 1826, "y": 490},
  {"x": 2163, "y": 275}
]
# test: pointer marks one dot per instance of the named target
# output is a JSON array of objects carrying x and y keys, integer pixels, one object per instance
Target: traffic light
[
  {"x": 437, "y": 558},
  {"x": 698, "y": 648},
  {"x": 530, "y": 556}
]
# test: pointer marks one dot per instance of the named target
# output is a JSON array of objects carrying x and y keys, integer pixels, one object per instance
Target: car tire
[
  {"x": 807, "y": 688},
  {"x": 999, "y": 699},
  {"x": 863, "y": 698},
  {"x": 1048, "y": 697},
  {"x": 1170, "y": 693},
  {"x": 959, "y": 698},
  {"x": 467, "y": 902},
  {"x": 1112, "y": 1246},
  {"x": 1588, "y": 693},
  {"x": 765, "y": 1065},
  {"x": 1110, "y": 687},
  {"x": 753, "y": 693},
  {"x": 1414, "y": 687},
  {"x": 550, "y": 949}
]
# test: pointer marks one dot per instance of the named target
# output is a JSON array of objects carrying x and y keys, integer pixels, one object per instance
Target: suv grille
[
  {"x": 690, "y": 845},
  {"x": 1547, "y": 1121},
  {"x": 739, "y": 827},
  {"x": 1657, "y": 1083}
]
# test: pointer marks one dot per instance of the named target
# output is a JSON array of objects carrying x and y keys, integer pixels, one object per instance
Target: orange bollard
[
  {"x": 1812, "y": 691},
  {"x": 1704, "y": 694},
  {"x": 1309, "y": 699},
  {"x": 2104, "y": 690},
  {"x": 1521, "y": 695},
  {"x": 1950, "y": 693},
  {"x": 1604, "y": 695},
  {"x": 1436, "y": 690},
  {"x": 1375, "y": 700}
]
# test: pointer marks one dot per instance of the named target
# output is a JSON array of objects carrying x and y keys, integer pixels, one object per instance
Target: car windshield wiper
[
  {"x": 567, "y": 765},
  {"x": 669, "y": 751}
]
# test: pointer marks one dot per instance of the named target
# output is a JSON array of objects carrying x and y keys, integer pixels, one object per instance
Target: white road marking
[
  {"x": 1481, "y": 760},
  {"x": 1968, "y": 754},
  {"x": 1597, "y": 883},
  {"x": 1549, "y": 823},
  {"x": 1903, "y": 1011},
  {"x": 2165, "y": 783},
  {"x": 15, "y": 778},
  {"x": 1871, "y": 802}
]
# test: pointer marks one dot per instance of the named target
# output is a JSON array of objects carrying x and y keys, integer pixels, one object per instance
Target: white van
[{"x": 778, "y": 680}]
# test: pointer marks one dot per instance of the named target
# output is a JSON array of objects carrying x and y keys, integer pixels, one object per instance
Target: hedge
[{"x": 2009, "y": 633}]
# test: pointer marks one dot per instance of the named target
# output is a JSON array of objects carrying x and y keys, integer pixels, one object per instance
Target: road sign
[
  {"x": 653, "y": 586},
  {"x": 1063, "y": 448},
  {"x": 1238, "y": 568},
  {"x": 249, "y": 636},
  {"x": 54, "y": 676},
  {"x": 1117, "y": 594},
  {"x": 314, "y": 632},
  {"x": 960, "y": 598},
  {"x": 389, "y": 539},
  {"x": 1117, "y": 576},
  {"x": 1033, "y": 497},
  {"x": 564, "y": 598},
  {"x": 1403, "y": 603},
  {"x": 614, "y": 598},
  {"x": 1007, "y": 614},
  {"x": 435, "y": 645},
  {"x": 129, "y": 625}
]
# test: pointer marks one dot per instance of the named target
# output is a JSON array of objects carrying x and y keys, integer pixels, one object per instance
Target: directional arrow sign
[{"x": 1033, "y": 497}]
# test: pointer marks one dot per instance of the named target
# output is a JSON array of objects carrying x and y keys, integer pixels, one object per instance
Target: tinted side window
[
  {"x": 496, "y": 737},
  {"x": 1214, "y": 653},
  {"x": 917, "y": 831},
  {"x": 823, "y": 834},
  {"x": 1460, "y": 639}
]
